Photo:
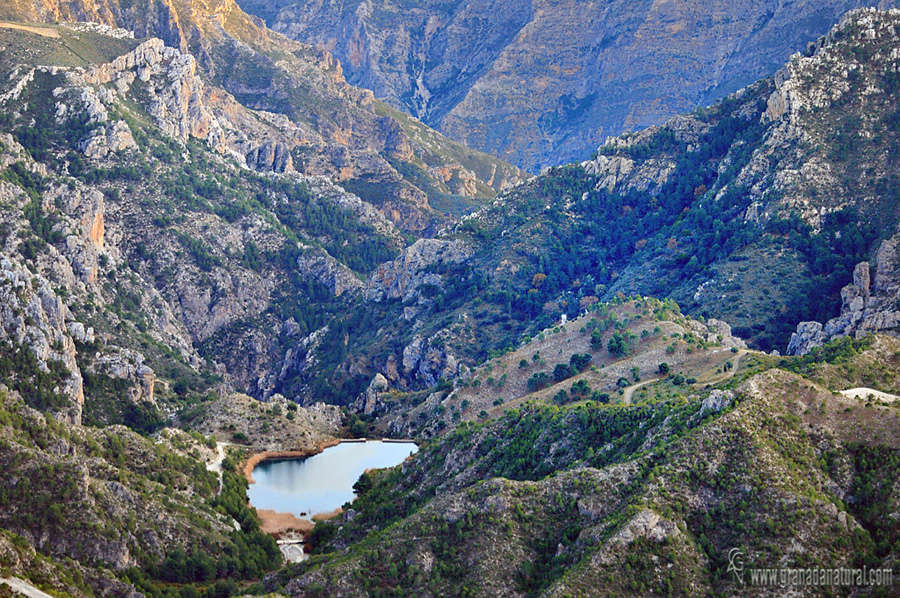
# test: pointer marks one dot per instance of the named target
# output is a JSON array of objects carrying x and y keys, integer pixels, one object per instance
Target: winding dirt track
[
  {"x": 43, "y": 31},
  {"x": 629, "y": 391}
]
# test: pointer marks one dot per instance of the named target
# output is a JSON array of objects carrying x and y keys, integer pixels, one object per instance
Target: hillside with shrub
[
  {"x": 753, "y": 211},
  {"x": 589, "y": 360},
  {"x": 642, "y": 499}
]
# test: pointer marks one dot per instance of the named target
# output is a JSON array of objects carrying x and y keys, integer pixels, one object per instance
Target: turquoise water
[{"x": 323, "y": 482}]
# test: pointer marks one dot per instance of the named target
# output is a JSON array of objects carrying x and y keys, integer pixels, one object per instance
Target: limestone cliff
[
  {"x": 34, "y": 319},
  {"x": 309, "y": 118},
  {"x": 403, "y": 277}
]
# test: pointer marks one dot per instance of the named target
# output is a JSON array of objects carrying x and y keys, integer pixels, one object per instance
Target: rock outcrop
[
  {"x": 867, "y": 306},
  {"x": 174, "y": 90},
  {"x": 716, "y": 401},
  {"x": 103, "y": 140},
  {"x": 294, "y": 428},
  {"x": 718, "y": 331},
  {"x": 270, "y": 157},
  {"x": 124, "y": 364},
  {"x": 267, "y": 101},
  {"x": 368, "y": 401},
  {"x": 426, "y": 360},
  {"x": 317, "y": 264},
  {"x": 34, "y": 319},
  {"x": 403, "y": 277}
]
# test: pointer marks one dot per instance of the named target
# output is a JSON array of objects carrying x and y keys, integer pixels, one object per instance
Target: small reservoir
[{"x": 323, "y": 482}]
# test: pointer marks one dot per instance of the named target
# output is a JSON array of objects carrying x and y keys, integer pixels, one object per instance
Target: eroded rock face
[
  {"x": 104, "y": 140},
  {"x": 402, "y": 277},
  {"x": 33, "y": 318},
  {"x": 647, "y": 525},
  {"x": 368, "y": 402},
  {"x": 716, "y": 401},
  {"x": 176, "y": 96},
  {"x": 720, "y": 331},
  {"x": 299, "y": 358},
  {"x": 127, "y": 365},
  {"x": 316, "y": 263},
  {"x": 866, "y": 307},
  {"x": 426, "y": 360},
  {"x": 270, "y": 157}
]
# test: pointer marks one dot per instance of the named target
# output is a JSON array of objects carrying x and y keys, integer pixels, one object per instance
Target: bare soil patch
[
  {"x": 276, "y": 523},
  {"x": 42, "y": 31}
]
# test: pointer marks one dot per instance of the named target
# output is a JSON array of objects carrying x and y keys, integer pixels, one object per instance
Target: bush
[
  {"x": 358, "y": 428},
  {"x": 600, "y": 397},
  {"x": 538, "y": 381},
  {"x": 580, "y": 388}
]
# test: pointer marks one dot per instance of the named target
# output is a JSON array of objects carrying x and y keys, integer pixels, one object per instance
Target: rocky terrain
[
  {"x": 308, "y": 119},
  {"x": 88, "y": 194},
  {"x": 650, "y": 499},
  {"x": 103, "y": 501},
  {"x": 590, "y": 359},
  {"x": 277, "y": 425},
  {"x": 547, "y": 369},
  {"x": 867, "y": 306},
  {"x": 754, "y": 211},
  {"x": 544, "y": 83}
]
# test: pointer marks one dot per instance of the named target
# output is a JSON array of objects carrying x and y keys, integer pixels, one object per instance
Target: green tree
[
  {"x": 620, "y": 344},
  {"x": 562, "y": 371}
]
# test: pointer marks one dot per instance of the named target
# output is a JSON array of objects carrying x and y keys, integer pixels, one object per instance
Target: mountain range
[
  {"x": 544, "y": 83},
  {"x": 213, "y": 246}
]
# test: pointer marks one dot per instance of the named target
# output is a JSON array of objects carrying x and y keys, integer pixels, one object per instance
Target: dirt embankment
[{"x": 275, "y": 523}]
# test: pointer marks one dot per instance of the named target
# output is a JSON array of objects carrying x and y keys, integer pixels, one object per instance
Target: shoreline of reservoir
[
  {"x": 277, "y": 522},
  {"x": 255, "y": 459}
]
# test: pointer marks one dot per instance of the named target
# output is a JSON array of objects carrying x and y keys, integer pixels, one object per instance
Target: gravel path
[
  {"x": 216, "y": 465},
  {"x": 736, "y": 361},
  {"x": 629, "y": 392}
]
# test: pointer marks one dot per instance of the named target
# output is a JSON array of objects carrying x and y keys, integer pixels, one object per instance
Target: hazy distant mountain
[{"x": 543, "y": 83}]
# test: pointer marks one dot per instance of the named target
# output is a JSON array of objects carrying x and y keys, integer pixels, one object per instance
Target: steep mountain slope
[
  {"x": 132, "y": 247},
  {"x": 632, "y": 500},
  {"x": 543, "y": 83},
  {"x": 627, "y": 352},
  {"x": 108, "y": 510},
  {"x": 147, "y": 271},
  {"x": 312, "y": 121},
  {"x": 754, "y": 211}
]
